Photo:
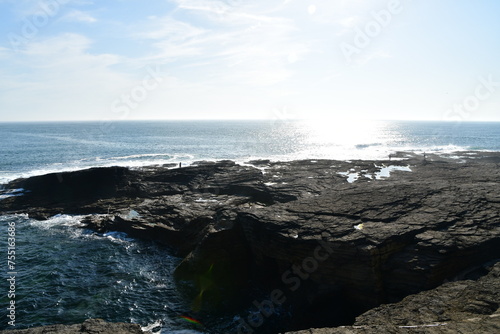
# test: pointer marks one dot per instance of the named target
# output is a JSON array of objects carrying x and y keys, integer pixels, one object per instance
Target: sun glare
[{"x": 345, "y": 132}]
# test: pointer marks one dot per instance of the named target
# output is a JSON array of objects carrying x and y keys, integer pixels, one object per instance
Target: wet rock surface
[{"x": 337, "y": 237}]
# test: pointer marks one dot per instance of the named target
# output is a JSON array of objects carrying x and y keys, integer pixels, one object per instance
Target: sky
[{"x": 241, "y": 59}]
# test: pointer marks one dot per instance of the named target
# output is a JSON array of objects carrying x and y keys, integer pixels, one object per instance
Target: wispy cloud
[
  {"x": 78, "y": 16},
  {"x": 230, "y": 54},
  {"x": 364, "y": 59},
  {"x": 24, "y": 8},
  {"x": 4, "y": 52},
  {"x": 214, "y": 7},
  {"x": 240, "y": 43},
  {"x": 350, "y": 21},
  {"x": 61, "y": 75},
  {"x": 169, "y": 28}
]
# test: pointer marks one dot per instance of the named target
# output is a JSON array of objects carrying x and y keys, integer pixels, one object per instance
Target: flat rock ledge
[
  {"x": 338, "y": 238},
  {"x": 90, "y": 326}
]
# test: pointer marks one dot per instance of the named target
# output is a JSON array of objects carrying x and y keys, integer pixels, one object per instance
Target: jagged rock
[
  {"x": 380, "y": 238},
  {"x": 467, "y": 306},
  {"x": 90, "y": 326}
]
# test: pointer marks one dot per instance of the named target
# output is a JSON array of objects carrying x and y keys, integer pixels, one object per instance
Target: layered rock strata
[{"x": 336, "y": 237}]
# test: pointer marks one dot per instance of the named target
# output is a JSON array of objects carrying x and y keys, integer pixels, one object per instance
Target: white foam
[
  {"x": 117, "y": 236},
  {"x": 19, "y": 190},
  {"x": 351, "y": 176},
  {"x": 13, "y": 216},
  {"x": 202, "y": 200},
  {"x": 65, "y": 224},
  {"x": 155, "y": 327},
  {"x": 385, "y": 171},
  {"x": 12, "y": 193},
  {"x": 132, "y": 214},
  {"x": 75, "y": 228},
  {"x": 262, "y": 169},
  {"x": 137, "y": 156},
  {"x": 59, "y": 220},
  {"x": 270, "y": 183}
]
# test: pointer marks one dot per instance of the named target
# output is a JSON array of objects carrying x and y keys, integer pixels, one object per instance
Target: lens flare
[
  {"x": 205, "y": 282},
  {"x": 190, "y": 320}
]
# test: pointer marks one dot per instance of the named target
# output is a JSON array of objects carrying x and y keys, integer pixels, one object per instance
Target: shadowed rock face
[
  {"x": 380, "y": 239},
  {"x": 466, "y": 306}
]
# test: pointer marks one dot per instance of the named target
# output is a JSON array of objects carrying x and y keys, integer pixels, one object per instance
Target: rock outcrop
[
  {"x": 468, "y": 306},
  {"x": 90, "y": 326},
  {"x": 337, "y": 238}
]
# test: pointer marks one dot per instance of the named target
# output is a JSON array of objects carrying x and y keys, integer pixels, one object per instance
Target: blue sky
[{"x": 238, "y": 59}]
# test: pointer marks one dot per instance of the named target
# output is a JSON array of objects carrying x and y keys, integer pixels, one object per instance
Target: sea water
[
  {"x": 66, "y": 274},
  {"x": 36, "y": 148}
]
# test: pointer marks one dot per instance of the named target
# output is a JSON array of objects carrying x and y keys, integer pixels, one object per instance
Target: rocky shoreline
[
  {"x": 330, "y": 241},
  {"x": 90, "y": 326}
]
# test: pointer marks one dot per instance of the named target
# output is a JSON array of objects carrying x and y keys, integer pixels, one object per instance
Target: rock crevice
[{"x": 388, "y": 237}]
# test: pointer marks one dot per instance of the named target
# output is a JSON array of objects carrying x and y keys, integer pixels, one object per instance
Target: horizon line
[{"x": 244, "y": 120}]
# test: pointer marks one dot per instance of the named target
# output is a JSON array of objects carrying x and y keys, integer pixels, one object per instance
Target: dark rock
[
  {"x": 50, "y": 194},
  {"x": 455, "y": 307},
  {"x": 380, "y": 238},
  {"x": 91, "y": 326}
]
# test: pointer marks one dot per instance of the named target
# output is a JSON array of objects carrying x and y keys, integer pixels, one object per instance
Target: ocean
[
  {"x": 66, "y": 274},
  {"x": 36, "y": 148}
]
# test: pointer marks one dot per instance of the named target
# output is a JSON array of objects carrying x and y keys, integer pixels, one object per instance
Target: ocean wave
[
  {"x": 362, "y": 146},
  {"x": 139, "y": 156},
  {"x": 58, "y": 220},
  {"x": 157, "y": 328},
  {"x": 117, "y": 236},
  {"x": 68, "y": 139},
  {"x": 6, "y": 193},
  {"x": 72, "y": 225},
  {"x": 368, "y": 151},
  {"x": 154, "y": 328},
  {"x": 133, "y": 161},
  {"x": 10, "y": 217},
  {"x": 374, "y": 151}
]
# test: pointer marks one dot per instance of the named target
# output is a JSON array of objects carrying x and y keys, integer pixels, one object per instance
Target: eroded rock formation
[
  {"x": 466, "y": 306},
  {"x": 90, "y": 326},
  {"x": 381, "y": 238}
]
